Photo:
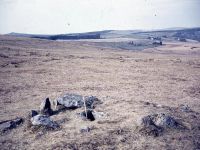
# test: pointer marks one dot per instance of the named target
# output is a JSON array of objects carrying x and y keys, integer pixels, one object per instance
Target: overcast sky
[{"x": 69, "y": 16}]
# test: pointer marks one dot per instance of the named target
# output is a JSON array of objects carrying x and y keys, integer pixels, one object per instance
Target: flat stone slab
[
  {"x": 10, "y": 124},
  {"x": 71, "y": 101},
  {"x": 74, "y": 101}
]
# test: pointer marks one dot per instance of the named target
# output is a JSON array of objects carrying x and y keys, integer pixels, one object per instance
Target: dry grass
[{"x": 165, "y": 77}]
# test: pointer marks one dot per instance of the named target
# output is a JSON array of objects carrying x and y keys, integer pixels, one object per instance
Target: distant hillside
[
  {"x": 187, "y": 33},
  {"x": 193, "y": 34},
  {"x": 61, "y": 36}
]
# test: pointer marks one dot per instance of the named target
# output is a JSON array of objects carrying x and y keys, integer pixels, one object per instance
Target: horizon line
[{"x": 145, "y": 30}]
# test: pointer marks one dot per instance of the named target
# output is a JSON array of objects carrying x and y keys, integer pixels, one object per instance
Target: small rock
[
  {"x": 10, "y": 124},
  {"x": 164, "y": 120},
  {"x": 122, "y": 139},
  {"x": 146, "y": 121},
  {"x": 45, "y": 107},
  {"x": 39, "y": 135},
  {"x": 33, "y": 113},
  {"x": 91, "y": 102},
  {"x": 98, "y": 115},
  {"x": 85, "y": 129},
  {"x": 147, "y": 103},
  {"x": 185, "y": 108},
  {"x": 43, "y": 120}
]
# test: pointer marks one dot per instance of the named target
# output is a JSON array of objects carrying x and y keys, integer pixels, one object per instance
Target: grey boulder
[
  {"x": 74, "y": 101},
  {"x": 43, "y": 120},
  {"x": 155, "y": 124},
  {"x": 160, "y": 120},
  {"x": 70, "y": 101}
]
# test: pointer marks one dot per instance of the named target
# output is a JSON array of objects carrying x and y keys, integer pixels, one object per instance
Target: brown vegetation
[{"x": 131, "y": 84}]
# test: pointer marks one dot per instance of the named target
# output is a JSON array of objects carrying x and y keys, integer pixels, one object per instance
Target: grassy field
[{"x": 166, "y": 77}]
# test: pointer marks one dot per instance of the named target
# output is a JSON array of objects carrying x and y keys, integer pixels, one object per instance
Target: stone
[
  {"x": 43, "y": 120},
  {"x": 185, "y": 108},
  {"x": 160, "y": 120},
  {"x": 146, "y": 121},
  {"x": 73, "y": 101},
  {"x": 33, "y": 113},
  {"x": 155, "y": 124},
  {"x": 91, "y": 102},
  {"x": 45, "y": 107},
  {"x": 164, "y": 120},
  {"x": 57, "y": 105},
  {"x": 98, "y": 115},
  {"x": 10, "y": 124},
  {"x": 85, "y": 129},
  {"x": 148, "y": 127},
  {"x": 90, "y": 115}
]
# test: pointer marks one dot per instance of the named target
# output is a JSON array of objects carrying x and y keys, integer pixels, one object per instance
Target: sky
[{"x": 73, "y": 16}]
